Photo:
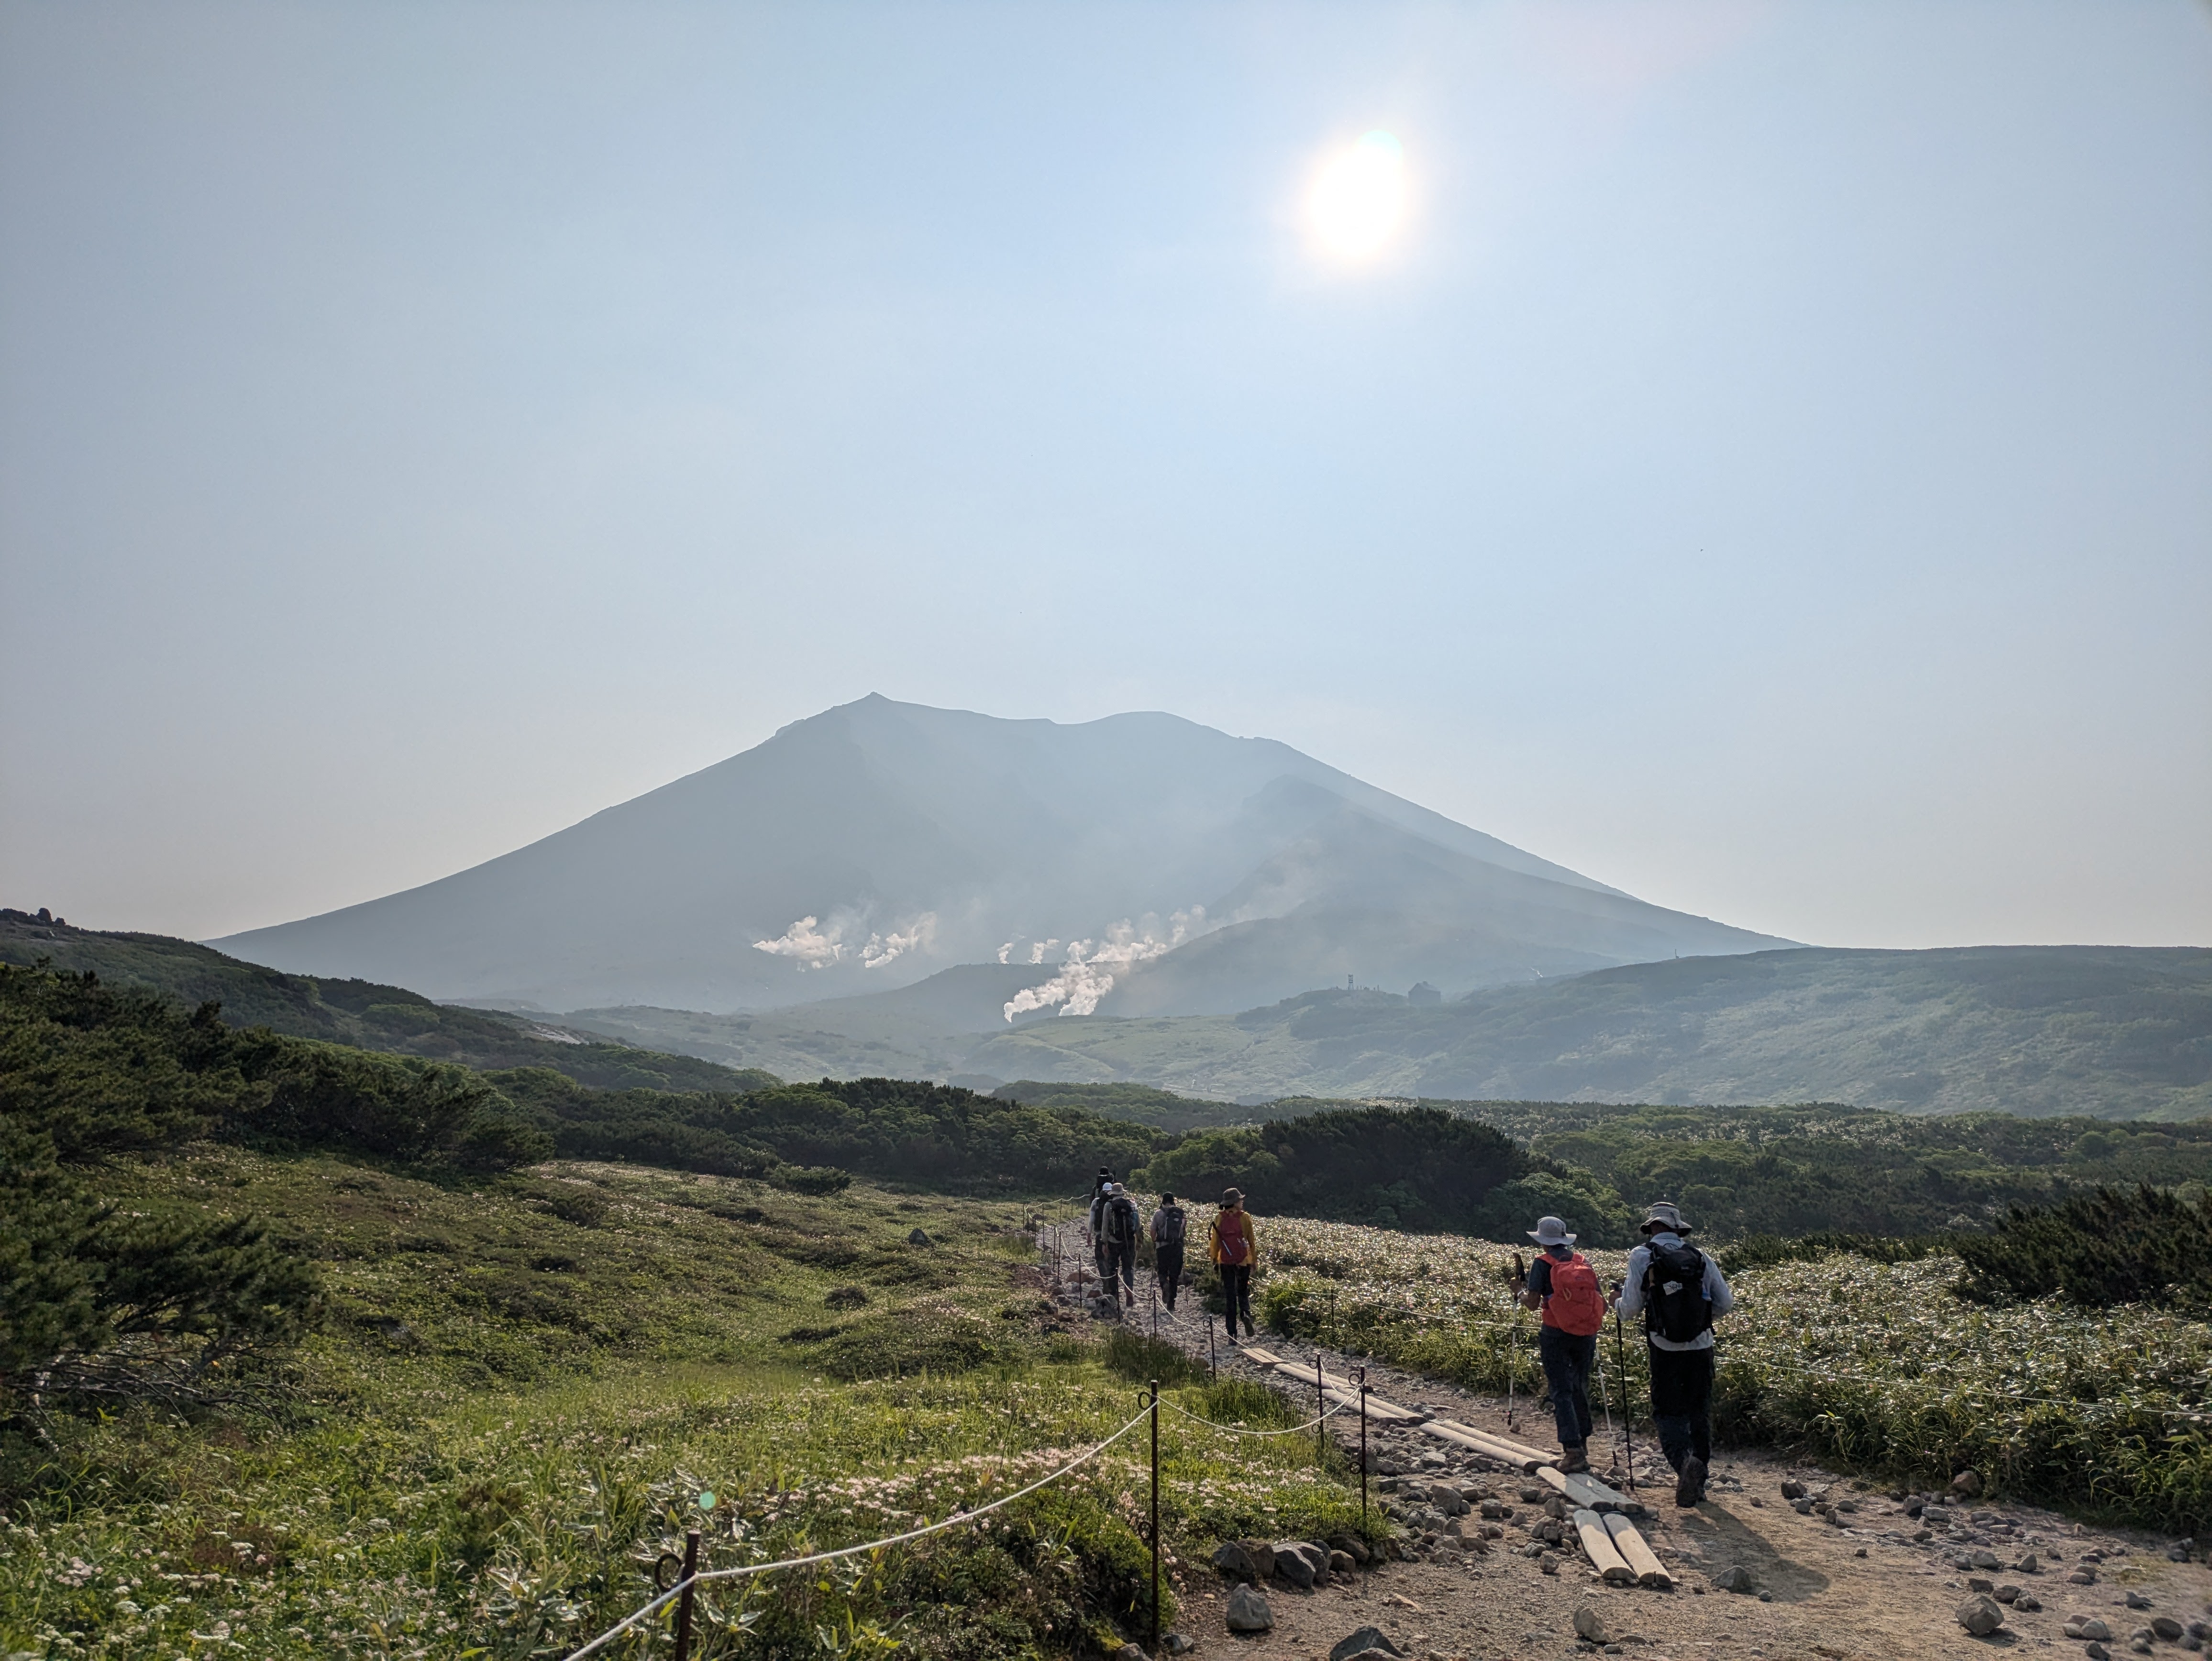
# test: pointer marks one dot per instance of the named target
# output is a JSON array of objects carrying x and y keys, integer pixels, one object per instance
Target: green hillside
[
  {"x": 2113, "y": 1032},
  {"x": 362, "y": 1014}
]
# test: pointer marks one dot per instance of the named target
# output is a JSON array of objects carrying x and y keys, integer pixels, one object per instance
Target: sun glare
[{"x": 1360, "y": 199}]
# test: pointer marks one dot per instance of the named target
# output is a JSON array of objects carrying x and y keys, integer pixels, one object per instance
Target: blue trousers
[{"x": 1569, "y": 1360}]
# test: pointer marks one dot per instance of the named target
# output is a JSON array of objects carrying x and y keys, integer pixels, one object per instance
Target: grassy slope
[
  {"x": 2113, "y": 1032},
  {"x": 518, "y": 1389},
  {"x": 359, "y": 1012}
]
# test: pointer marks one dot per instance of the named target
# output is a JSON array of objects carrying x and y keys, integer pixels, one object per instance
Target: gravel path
[{"x": 1852, "y": 1578}]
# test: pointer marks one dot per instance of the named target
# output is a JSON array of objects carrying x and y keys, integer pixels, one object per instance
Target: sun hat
[
  {"x": 1662, "y": 1214},
  {"x": 1550, "y": 1231},
  {"x": 1233, "y": 1196}
]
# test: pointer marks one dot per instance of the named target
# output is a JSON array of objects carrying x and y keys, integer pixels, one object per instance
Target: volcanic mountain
[{"x": 1142, "y": 864}]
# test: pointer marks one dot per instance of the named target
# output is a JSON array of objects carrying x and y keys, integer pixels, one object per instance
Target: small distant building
[{"x": 1422, "y": 993}]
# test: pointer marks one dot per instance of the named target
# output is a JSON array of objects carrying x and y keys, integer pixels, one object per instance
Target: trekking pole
[
  {"x": 1210, "y": 1370},
  {"x": 1621, "y": 1365},
  {"x": 1156, "y": 1517},
  {"x": 1513, "y": 1354},
  {"x": 1363, "y": 1446}
]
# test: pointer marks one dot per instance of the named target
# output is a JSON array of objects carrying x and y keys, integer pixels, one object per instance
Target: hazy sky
[{"x": 1770, "y": 469}]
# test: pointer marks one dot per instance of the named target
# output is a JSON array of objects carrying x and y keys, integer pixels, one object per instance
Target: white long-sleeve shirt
[{"x": 1716, "y": 1291}]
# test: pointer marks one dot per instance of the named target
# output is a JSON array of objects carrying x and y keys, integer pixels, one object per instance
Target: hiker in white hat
[
  {"x": 1678, "y": 1290},
  {"x": 1563, "y": 1285}
]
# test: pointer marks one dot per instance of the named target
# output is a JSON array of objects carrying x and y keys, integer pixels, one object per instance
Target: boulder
[
  {"x": 2166, "y": 1627},
  {"x": 1981, "y": 1616},
  {"x": 1793, "y": 1489},
  {"x": 1233, "y": 1560},
  {"x": 916, "y": 1236},
  {"x": 1589, "y": 1625},
  {"x": 1248, "y": 1610},
  {"x": 1318, "y": 1555},
  {"x": 1177, "y": 1642},
  {"x": 2096, "y": 1653},
  {"x": 1339, "y": 1562},
  {"x": 1292, "y": 1568},
  {"x": 1352, "y": 1546},
  {"x": 1966, "y": 1484},
  {"x": 1367, "y": 1641},
  {"x": 2030, "y": 1564},
  {"x": 1263, "y": 1558},
  {"x": 1447, "y": 1499},
  {"x": 2078, "y": 1626},
  {"x": 1734, "y": 1579}
]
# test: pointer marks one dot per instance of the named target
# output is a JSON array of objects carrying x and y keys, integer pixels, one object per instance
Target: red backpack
[{"x": 1575, "y": 1305}]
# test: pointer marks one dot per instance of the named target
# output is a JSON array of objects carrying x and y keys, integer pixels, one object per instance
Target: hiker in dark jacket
[
  {"x": 1562, "y": 1284},
  {"x": 1118, "y": 1227},
  {"x": 1098, "y": 1219},
  {"x": 1678, "y": 1290},
  {"x": 1170, "y": 1225}
]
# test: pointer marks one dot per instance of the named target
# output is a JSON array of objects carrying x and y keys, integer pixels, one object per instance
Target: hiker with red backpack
[
  {"x": 1678, "y": 1290},
  {"x": 1234, "y": 1245},
  {"x": 1563, "y": 1285}
]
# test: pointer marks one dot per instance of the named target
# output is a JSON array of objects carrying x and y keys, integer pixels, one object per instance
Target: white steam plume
[
  {"x": 886, "y": 948},
  {"x": 819, "y": 947},
  {"x": 814, "y": 946},
  {"x": 1087, "y": 974}
]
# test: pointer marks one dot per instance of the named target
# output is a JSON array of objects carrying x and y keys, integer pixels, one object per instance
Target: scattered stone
[
  {"x": 2139, "y": 1640},
  {"x": 1494, "y": 1511},
  {"x": 1534, "y": 1496},
  {"x": 2135, "y": 1600},
  {"x": 1980, "y": 1616},
  {"x": 1734, "y": 1579},
  {"x": 917, "y": 1237},
  {"x": 1263, "y": 1558},
  {"x": 1368, "y": 1640},
  {"x": 1986, "y": 1559},
  {"x": 1177, "y": 1642},
  {"x": 1977, "y": 1583},
  {"x": 1446, "y": 1499},
  {"x": 2084, "y": 1576},
  {"x": 1589, "y": 1625},
  {"x": 1248, "y": 1610},
  {"x": 2086, "y": 1626},
  {"x": 1860, "y": 1552},
  {"x": 2027, "y": 1601},
  {"x": 1339, "y": 1562},
  {"x": 1548, "y": 1563},
  {"x": 1966, "y": 1484},
  {"x": 2030, "y": 1564},
  {"x": 1793, "y": 1489},
  {"x": 1293, "y": 1565},
  {"x": 2007, "y": 1594},
  {"x": 1131, "y": 1652},
  {"x": 1233, "y": 1560},
  {"x": 1352, "y": 1546},
  {"x": 2096, "y": 1653},
  {"x": 2167, "y": 1628}
]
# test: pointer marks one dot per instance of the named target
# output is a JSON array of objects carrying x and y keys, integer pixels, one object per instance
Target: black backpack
[
  {"x": 1168, "y": 1224},
  {"x": 1121, "y": 1219},
  {"x": 1674, "y": 1306}
]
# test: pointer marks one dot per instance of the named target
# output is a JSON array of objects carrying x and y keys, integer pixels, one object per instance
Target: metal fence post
[
  {"x": 1156, "y": 1517},
  {"x": 1320, "y": 1415},
  {"x": 683, "y": 1604},
  {"x": 1363, "y": 1445}
]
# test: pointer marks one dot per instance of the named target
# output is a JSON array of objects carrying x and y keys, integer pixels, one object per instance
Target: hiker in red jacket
[{"x": 1562, "y": 1284}]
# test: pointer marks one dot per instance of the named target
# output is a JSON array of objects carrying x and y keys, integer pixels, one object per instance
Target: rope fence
[{"x": 694, "y": 1576}]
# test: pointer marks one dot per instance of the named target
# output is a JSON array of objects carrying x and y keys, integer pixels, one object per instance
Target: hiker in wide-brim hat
[
  {"x": 1234, "y": 1245},
  {"x": 1563, "y": 1285},
  {"x": 1678, "y": 1290}
]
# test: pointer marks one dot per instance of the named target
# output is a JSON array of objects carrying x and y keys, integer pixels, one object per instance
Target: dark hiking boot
[
  {"x": 1572, "y": 1461},
  {"x": 1690, "y": 1483}
]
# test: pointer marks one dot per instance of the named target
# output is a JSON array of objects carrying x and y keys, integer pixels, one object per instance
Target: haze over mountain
[{"x": 1143, "y": 864}]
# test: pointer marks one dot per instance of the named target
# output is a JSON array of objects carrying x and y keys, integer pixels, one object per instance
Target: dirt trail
[{"x": 1853, "y": 1587}]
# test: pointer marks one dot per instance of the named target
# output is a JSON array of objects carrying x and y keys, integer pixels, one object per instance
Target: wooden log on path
[
  {"x": 1597, "y": 1545},
  {"x": 1585, "y": 1492},
  {"x": 1499, "y": 1447},
  {"x": 1636, "y": 1553}
]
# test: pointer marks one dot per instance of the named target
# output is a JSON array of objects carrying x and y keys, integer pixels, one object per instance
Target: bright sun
[{"x": 1360, "y": 199}]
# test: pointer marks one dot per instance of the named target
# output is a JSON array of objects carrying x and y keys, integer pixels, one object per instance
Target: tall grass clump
[{"x": 1882, "y": 1365}]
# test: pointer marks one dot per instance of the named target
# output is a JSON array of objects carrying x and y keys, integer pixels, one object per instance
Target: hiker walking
[
  {"x": 1104, "y": 1181},
  {"x": 1118, "y": 1227},
  {"x": 1171, "y": 1223},
  {"x": 1563, "y": 1285},
  {"x": 1234, "y": 1245},
  {"x": 1678, "y": 1290}
]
